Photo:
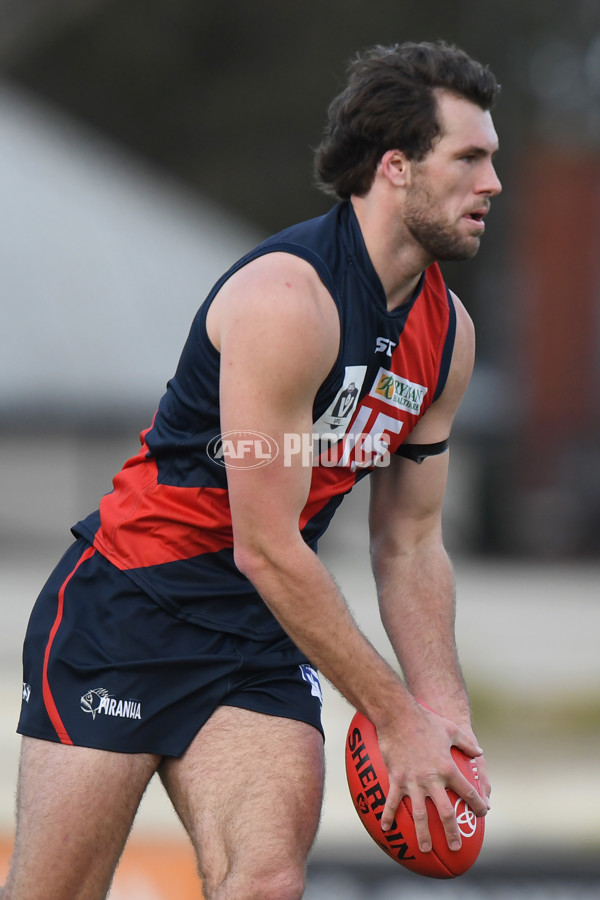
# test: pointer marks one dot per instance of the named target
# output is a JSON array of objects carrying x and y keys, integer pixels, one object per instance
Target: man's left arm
[
  {"x": 415, "y": 582},
  {"x": 413, "y": 573}
]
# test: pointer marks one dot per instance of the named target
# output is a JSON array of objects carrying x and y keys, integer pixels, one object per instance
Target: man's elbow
[
  {"x": 406, "y": 543},
  {"x": 263, "y": 558},
  {"x": 250, "y": 558}
]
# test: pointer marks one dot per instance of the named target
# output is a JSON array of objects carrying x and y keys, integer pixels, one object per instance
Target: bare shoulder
[{"x": 276, "y": 296}]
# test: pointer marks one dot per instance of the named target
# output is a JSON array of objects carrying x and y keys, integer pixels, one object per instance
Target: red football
[{"x": 368, "y": 782}]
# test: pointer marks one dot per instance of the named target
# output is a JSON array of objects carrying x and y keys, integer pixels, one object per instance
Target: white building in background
[{"x": 103, "y": 264}]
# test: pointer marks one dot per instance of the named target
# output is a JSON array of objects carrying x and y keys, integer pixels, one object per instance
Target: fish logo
[{"x": 90, "y": 702}]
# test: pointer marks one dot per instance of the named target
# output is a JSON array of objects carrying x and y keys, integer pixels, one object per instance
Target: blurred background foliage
[{"x": 229, "y": 98}]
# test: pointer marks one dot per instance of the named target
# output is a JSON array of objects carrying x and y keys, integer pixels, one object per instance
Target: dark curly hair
[{"x": 389, "y": 102}]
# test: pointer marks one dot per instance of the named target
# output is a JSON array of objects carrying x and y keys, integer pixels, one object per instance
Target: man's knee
[{"x": 286, "y": 882}]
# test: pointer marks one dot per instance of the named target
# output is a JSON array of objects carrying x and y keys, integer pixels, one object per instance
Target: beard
[{"x": 441, "y": 241}]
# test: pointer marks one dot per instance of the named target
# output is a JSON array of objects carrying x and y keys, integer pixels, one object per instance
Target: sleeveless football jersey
[{"x": 167, "y": 522}]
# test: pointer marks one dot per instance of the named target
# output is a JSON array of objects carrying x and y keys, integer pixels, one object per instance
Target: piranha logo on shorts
[{"x": 98, "y": 700}]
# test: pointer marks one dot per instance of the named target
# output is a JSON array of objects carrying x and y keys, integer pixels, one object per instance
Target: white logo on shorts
[
  {"x": 310, "y": 675},
  {"x": 98, "y": 700},
  {"x": 26, "y": 692}
]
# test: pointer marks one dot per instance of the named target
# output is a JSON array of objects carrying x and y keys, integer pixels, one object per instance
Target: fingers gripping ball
[{"x": 368, "y": 782}]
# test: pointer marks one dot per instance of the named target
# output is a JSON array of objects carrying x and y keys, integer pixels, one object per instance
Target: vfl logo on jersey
[
  {"x": 344, "y": 404},
  {"x": 398, "y": 391},
  {"x": 336, "y": 418},
  {"x": 309, "y": 675},
  {"x": 98, "y": 700}
]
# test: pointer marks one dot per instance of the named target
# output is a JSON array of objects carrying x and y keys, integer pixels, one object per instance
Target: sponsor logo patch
[{"x": 398, "y": 391}]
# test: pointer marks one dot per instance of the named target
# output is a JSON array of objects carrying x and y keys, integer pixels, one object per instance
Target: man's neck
[{"x": 396, "y": 257}]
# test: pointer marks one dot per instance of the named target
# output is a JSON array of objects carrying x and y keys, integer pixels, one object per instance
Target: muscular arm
[
  {"x": 278, "y": 333},
  {"x": 413, "y": 574},
  {"x": 415, "y": 584}
]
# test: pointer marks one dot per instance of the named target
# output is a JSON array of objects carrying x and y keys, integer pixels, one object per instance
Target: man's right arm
[{"x": 277, "y": 330}]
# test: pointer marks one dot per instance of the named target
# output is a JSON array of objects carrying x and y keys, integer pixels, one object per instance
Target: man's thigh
[
  {"x": 249, "y": 792},
  {"x": 75, "y": 808}
]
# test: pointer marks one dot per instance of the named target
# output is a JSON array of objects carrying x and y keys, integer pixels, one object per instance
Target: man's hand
[
  {"x": 486, "y": 788},
  {"x": 417, "y": 754}
]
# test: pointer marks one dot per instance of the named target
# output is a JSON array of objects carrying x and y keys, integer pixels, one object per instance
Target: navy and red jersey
[{"x": 167, "y": 521}]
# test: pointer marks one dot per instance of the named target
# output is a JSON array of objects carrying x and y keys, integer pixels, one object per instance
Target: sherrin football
[{"x": 368, "y": 782}]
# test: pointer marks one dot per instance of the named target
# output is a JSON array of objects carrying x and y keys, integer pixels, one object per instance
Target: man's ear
[{"x": 395, "y": 166}]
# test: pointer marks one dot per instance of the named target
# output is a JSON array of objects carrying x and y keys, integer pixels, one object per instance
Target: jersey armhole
[{"x": 448, "y": 348}]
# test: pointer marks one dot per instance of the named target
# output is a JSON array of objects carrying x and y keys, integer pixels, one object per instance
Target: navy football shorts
[{"x": 104, "y": 666}]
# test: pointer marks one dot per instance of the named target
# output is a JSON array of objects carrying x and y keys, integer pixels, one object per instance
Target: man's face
[{"x": 451, "y": 188}]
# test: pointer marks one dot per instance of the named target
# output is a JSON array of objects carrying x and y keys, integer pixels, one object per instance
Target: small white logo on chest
[{"x": 384, "y": 345}]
